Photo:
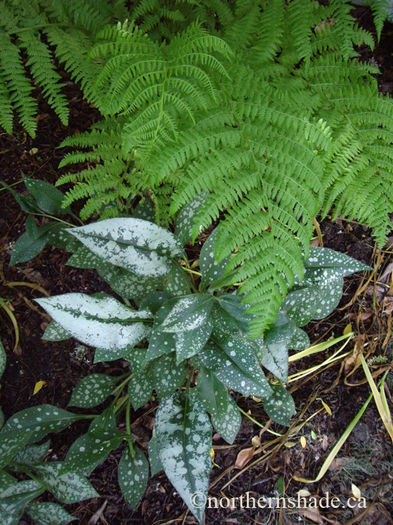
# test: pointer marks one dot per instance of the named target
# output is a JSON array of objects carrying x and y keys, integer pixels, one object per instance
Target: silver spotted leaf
[
  {"x": 140, "y": 388},
  {"x": 161, "y": 343},
  {"x": 48, "y": 513},
  {"x": 136, "y": 245},
  {"x": 55, "y": 332},
  {"x": 188, "y": 313},
  {"x": 211, "y": 269},
  {"x": 300, "y": 340},
  {"x": 132, "y": 474},
  {"x": 234, "y": 306},
  {"x": 39, "y": 421},
  {"x": 6, "y": 481},
  {"x": 12, "y": 442},
  {"x": 32, "y": 454},
  {"x": 339, "y": 263},
  {"x": 137, "y": 359},
  {"x": 97, "y": 321},
  {"x": 154, "y": 456},
  {"x": 177, "y": 282},
  {"x": 233, "y": 361},
  {"x": 70, "y": 487},
  {"x": 167, "y": 375},
  {"x": 279, "y": 405},
  {"x": 218, "y": 402},
  {"x": 13, "y": 506},
  {"x": 184, "y": 434},
  {"x": 145, "y": 210},
  {"x": 102, "y": 354},
  {"x": 274, "y": 354},
  {"x": 191, "y": 342},
  {"x": 185, "y": 218},
  {"x": 92, "y": 390},
  {"x": 3, "y": 359}
]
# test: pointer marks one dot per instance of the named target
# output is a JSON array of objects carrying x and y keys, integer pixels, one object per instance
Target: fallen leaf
[
  {"x": 303, "y": 442},
  {"x": 312, "y": 514},
  {"x": 356, "y": 491},
  {"x": 244, "y": 457},
  {"x": 38, "y": 386}
]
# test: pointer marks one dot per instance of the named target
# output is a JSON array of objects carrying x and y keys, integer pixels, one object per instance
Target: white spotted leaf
[
  {"x": 211, "y": 269},
  {"x": 186, "y": 218},
  {"x": 98, "y": 321},
  {"x": 70, "y": 487},
  {"x": 102, "y": 354},
  {"x": 48, "y": 513},
  {"x": 55, "y": 332},
  {"x": 12, "y": 507},
  {"x": 338, "y": 262},
  {"x": 300, "y": 340},
  {"x": 184, "y": 434},
  {"x": 167, "y": 375},
  {"x": 145, "y": 210},
  {"x": 233, "y": 361},
  {"x": 191, "y": 342},
  {"x": 32, "y": 454},
  {"x": 136, "y": 245},
  {"x": 188, "y": 313},
  {"x": 3, "y": 359},
  {"x": 39, "y": 421},
  {"x": 234, "y": 306},
  {"x": 274, "y": 354},
  {"x": 218, "y": 402},
  {"x": 6, "y": 481},
  {"x": 140, "y": 388},
  {"x": 92, "y": 390},
  {"x": 279, "y": 405},
  {"x": 154, "y": 456},
  {"x": 11, "y": 442},
  {"x": 133, "y": 473}
]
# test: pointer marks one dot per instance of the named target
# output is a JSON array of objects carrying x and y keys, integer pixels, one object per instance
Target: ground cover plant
[{"x": 249, "y": 117}]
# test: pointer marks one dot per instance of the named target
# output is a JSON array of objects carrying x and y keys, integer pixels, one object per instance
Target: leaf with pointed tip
[
  {"x": 12, "y": 507},
  {"x": 70, "y": 487},
  {"x": 183, "y": 433},
  {"x": 27, "y": 247},
  {"x": 137, "y": 359},
  {"x": 140, "y": 388},
  {"x": 223, "y": 323},
  {"x": 133, "y": 473},
  {"x": 3, "y": 359},
  {"x": 97, "y": 321},
  {"x": 160, "y": 343},
  {"x": 136, "y": 245},
  {"x": 47, "y": 513},
  {"x": 92, "y": 390},
  {"x": 167, "y": 375},
  {"x": 188, "y": 313},
  {"x": 235, "y": 365},
  {"x": 48, "y": 198},
  {"x": 32, "y": 454},
  {"x": 10, "y": 443},
  {"x": 154, "y": 456},
  {"x": 61, "y": 238},
  {"x": 186, "y": 216},
  {"x": 145, "y": 210},
  {"x": 6, "y": 481},
  {"x": 234, "y": 306},
  {"x": 191, "y": 342},
  {"x": 300, "y": 340},
  {"x": 55, "y": 332},
  {"x": 210, "y": 268},
  {"x": 274, "y": 355},
  {"x": 339, "y": 263},
  {"x": 39, "y": 421},
  {"x": 90, "y": 450},
  {"x": 177, "y": 282},
  {"x": 279, "y": 405},
  {"x": 218, "y": 402}
]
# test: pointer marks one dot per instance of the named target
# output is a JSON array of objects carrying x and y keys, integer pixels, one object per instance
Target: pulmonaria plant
[{"x": 185, "y": 337}]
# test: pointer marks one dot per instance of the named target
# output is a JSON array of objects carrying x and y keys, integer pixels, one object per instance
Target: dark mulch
[{"x": 366, "y": 458}]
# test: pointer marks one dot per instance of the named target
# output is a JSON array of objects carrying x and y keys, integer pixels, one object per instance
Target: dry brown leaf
[
  {"x": 312, "y": 514},
  {"x": 337, "y": 463},
  {"x": 244, "y": 457},
  {"x": 97, "y": 515}
]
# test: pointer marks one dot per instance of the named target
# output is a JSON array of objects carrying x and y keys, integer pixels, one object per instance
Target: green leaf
[
  {"x": 97, "y": 321},
  {"x": 234, "y": 306},
  {"x": 274, "y": 355},
  {"x": 145, "y": 210},
  {"x": 12, "y": 507},
  {"x": 61, "y": 238},
  {"x": 3, "y": 359},
  {"x": 167, "y": 375},
  {"x": 235, "y": 365},
  {"x": 161, "y": 343},
  {"x": 300, "y": 340},
  {"x": 47, "y": 197},
  {"x": 90, "y": 450},
  {"x": 211, "y": 269},
  {"x": 102, "y": 354},
  {"x": 188, "y": 313},
  {"x": 186, "y": 216},
  {"x": 183, "y": 433},
  {"x": 154, "y": 456},
  {"x": 39, "y": 421},
  {"x": 47, "y": 513},
  {"x": 133, "y": 473},
  {"x": 336, "y": 263},
  {"x": 92, "y": 390},
  {"x": 177, "y": 282},
  {"x": 134, "y": 244},
  {"x": 32, "y": 454},
  {"x": 191, "y": 342},
  {"x": 153, "y": 301},
  {"x": 26, "y": 203},
  {"x": 140, "y": 388},
  {"x": 10, "y": 443},
  {"x": 55, "y": 332},
  {"x": 70, "y": 487},
  {"x": 223, "y": 410},
  {"x": 1, "y": 418},
  {"x": 27, "y": 248},
  {"x": 6, "y": 481},
  {"x": 137, "y": 359},
  {"x": 279, "y": 405}
]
